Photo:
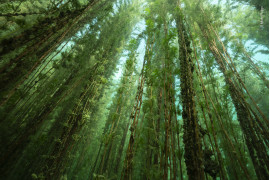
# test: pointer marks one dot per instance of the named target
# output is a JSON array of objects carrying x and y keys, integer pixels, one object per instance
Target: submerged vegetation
[{"x": 134, "y": 89}]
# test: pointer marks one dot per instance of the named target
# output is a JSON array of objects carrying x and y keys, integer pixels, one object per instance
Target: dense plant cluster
[{"x": 134, "y": 89}]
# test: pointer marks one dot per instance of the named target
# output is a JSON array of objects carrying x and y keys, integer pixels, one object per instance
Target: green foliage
[{"x": 66, "y": 112}]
